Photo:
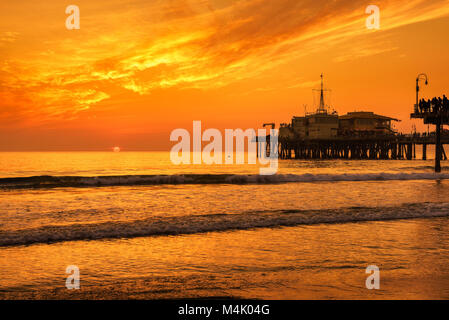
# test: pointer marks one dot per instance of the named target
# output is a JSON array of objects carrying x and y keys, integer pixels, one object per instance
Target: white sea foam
[
  {"x": 160, "y": 226},
  {"x": 77, "y": 181}
]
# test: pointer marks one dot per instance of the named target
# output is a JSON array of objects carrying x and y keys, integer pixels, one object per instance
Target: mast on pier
[{"x": 322, "y": 108}]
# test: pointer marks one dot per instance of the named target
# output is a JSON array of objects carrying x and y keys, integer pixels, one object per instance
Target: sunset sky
[{"x": 138, "y": 69}]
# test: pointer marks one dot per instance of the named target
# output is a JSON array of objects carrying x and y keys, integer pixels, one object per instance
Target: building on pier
[
  {"x": 312, "y": 126},
  {"x": 328, "y": 125},
  {"x": 365, "y": 124}
]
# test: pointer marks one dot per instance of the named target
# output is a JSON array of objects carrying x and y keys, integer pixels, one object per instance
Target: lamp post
[
  {"x": 419, "y": 77},
  {"x": 438, "y": 123}
]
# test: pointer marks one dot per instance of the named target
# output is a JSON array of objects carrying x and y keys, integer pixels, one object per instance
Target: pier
[
  {"x": 362, "y": 135},
  {"x": 361, "y": 148},
  {"x": 436, "y": 112},
  {"x": 438, "y": 117}
]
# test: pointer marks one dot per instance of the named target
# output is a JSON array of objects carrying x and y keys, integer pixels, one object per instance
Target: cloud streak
[{"x": 186, "y": 44}]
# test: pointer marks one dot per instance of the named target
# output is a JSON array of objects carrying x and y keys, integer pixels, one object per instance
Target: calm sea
[{"x": 137, "y": 226}]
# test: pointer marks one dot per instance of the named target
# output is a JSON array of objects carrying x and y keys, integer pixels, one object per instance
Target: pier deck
[{"x": 374, "y": 148}]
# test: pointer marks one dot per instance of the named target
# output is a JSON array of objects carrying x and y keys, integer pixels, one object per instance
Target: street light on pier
[
  {"x": 432, "y": 113},
  {"x": 419, "y": 77}
]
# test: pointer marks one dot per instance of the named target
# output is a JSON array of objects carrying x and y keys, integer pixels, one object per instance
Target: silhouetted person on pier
[
  {"x": 421, "y": 105},
  {"x": 424, "y": 106},
  {"x": 435, "y": 106},
  {"x": 427, "y": 106}
]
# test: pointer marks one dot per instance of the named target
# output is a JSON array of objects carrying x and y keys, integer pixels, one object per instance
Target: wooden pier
[
  {"x": 368, "y": 148},
  {"x": 360, "y": 135}
]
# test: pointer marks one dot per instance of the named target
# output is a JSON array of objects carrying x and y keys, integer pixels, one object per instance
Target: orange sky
[{"x": 138, "y": 69}]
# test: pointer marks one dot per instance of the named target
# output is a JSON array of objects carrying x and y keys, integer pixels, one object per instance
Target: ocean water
[{"x": 138, "y": 226}]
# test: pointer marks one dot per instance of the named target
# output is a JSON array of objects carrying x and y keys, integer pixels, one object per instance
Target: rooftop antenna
[{"x": 322, "y": 107}]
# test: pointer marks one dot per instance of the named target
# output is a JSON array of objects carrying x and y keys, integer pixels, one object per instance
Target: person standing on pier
[
  {"x": 434, "y": 105},
  {"x": 421, "y": 105}
]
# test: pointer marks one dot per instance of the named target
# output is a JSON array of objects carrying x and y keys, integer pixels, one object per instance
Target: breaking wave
[
  {"x": 160, "y": 226},
  {"x": 129, "y": 180}
]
